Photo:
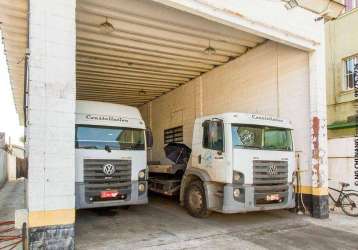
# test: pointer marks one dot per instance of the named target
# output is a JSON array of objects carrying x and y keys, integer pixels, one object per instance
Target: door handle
[{"x": 199, "y": 159}]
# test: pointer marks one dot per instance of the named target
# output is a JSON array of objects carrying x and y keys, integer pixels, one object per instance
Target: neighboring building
[
  {"x": 3, "y": 168},
  {"x": 342, "y": 55},
  {"x": 15, "y": 158}
]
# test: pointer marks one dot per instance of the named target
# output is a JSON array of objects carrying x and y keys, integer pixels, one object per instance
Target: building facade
[
  {"x": 342, "y": 56},
  {"x": 270, "y": 62}
]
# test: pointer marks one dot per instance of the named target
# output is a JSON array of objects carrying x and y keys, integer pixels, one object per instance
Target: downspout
[{"x": 26, "y": 66}]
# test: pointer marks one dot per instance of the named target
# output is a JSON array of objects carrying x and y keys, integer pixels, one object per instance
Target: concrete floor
[
  {"x": 12, "y": 197},
  {"x": 163, "y": 224}
]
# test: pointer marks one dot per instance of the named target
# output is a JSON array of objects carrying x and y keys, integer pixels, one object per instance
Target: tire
[
  {"x": 349, "y": 204},
  {"x": 195, "y": 200}
]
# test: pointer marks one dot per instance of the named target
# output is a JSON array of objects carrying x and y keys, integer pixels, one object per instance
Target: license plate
[
  {"x": 109, "y": 194},
  {"x": 273, "y": 197}
]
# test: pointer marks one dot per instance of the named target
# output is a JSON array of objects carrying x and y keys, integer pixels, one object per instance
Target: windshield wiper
[
  {"x": 246, "y": 146},
  {"x": 136, "y": 146},
  {"x": 277, "y": 149},
  {"x": 89, "y": 147},
  {"x": 125, "y": 147}
]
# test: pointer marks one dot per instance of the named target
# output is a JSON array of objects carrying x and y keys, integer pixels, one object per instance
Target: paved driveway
[{"x": 163, "y": 224}]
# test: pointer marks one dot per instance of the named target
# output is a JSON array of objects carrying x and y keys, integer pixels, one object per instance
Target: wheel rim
[
  {"x": 350, "y": 204},
  {"x": 195, "y": 199}
]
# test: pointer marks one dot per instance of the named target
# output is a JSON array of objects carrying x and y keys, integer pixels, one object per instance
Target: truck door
[{"x": 212, "y": 157}]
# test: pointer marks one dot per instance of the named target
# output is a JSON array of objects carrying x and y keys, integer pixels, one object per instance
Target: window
[
  {"x": 100, "y": 137},
  {"x": 173, "y": 135},
  {"x": 261, "y": 137},
  {"x": 351, "y": 4},
  {"x": 213, "y": 135},
  {"x": 349, "y": 65}
]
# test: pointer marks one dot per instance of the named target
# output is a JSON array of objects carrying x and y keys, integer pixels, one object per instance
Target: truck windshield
[
  {"x": 261, "y": 137},
  {"x": 101, "y": 137}
]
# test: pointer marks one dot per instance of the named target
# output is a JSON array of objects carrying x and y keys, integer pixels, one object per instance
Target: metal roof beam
[
  {"x": 129, "y": 61},
  {"x": 202, "y": 58},
  {"x": 152, "y": 76},
  {"x": 149, "y": 45},
  {"x": 96, "y": 62},
  {"x": 143, "y": 32},
  {"x": 124, "y": 85}
]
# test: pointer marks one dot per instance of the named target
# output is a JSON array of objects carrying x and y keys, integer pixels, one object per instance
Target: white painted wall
[
  {"x": 296, "y": 27},
  {"x": 51, "y": 106},
  {"x": 3, "y": 167},
  {"x": 13, "y": 153},
  {"x": 341, "y": 162},
  {"x": 271, "y": 79},
  {"x": 11, "y": 167}
]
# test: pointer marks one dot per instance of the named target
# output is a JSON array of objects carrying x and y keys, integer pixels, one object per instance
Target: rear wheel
[
  {"x": 349, "y": 204},
  {"x": 195, "y": 200}
]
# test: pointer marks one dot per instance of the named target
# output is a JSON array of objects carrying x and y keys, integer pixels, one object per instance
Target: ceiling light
[
  {"x": 290, "y": 4},
  {"x": 106, "y": 27},
  {"x": 210, "y": 50}
]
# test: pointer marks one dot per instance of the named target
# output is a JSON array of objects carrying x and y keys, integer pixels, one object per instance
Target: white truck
[
  {"x": 239, "y": 163},
  {"x": 110, "y": 155}
]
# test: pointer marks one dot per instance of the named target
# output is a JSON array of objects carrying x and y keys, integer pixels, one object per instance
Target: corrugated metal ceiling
[
  {"x": 152, "y": 50},
  {"x": 13, "y": 25}
]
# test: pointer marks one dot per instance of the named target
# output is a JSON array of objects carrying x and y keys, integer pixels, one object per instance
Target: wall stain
[{"x": 315, "y": 150}]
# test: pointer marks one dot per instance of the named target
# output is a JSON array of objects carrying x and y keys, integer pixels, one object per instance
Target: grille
[
  {"x": 95, "y": 180},
  {"x": 270, "y": 177}
]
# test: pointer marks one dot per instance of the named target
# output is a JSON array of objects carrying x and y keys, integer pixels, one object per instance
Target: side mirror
[
  {"x": 205, "y": 124},
  {"x": 149, "y": 137},
  {"x": 107, "y": 148}
]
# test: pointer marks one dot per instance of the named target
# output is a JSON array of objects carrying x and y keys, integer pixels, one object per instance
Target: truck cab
[
  {"x": 239, "y": 163},
  {"x": 110, "y": 155}
]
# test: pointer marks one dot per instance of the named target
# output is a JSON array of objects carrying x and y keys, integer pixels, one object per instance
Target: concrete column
[
  {"x": 319, "y": 157},
  {"x": 50, "y": 124}
]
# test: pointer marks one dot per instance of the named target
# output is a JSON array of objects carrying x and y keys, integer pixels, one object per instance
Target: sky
[{"x": 9, "y": 121}]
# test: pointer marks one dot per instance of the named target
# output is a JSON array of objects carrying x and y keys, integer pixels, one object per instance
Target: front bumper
[
  {"x": 134, "y": 198},
  {"x": 247, "y": 202}
]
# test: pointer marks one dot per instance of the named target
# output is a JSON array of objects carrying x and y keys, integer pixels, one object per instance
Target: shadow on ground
[{"x": 163, "y": 224}]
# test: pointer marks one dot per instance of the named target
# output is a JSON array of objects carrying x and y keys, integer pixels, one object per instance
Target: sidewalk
[
  {"x": 337, "y": 220},
  {"x": 12, "y": 197}
]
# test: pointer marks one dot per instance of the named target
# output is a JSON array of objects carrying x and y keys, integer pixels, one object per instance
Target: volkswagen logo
[
  {"x": 108, "y": 169},
  {"x": 272, "y": 170}
]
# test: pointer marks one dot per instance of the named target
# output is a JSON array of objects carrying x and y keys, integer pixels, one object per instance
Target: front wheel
[
  {"x": 195, "y": 200},
  {"x": 349, "y": 204}
]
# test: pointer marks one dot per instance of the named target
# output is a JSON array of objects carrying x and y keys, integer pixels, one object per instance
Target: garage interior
[
  {"x": 162, "y": 60},
  {"x": 175, "y": 66}
]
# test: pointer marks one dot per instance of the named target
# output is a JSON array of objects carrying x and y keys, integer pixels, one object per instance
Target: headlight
[
  {"x": 238, "y": 178},
  {"x": 236, "y": 193},
  {"x": 141, "y": 175},
  {"x": 141, "y": 187}
]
